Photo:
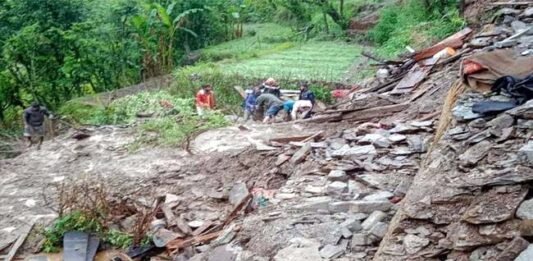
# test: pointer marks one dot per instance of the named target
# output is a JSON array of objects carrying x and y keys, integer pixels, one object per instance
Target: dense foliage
[{"x": 56, "y": 50}]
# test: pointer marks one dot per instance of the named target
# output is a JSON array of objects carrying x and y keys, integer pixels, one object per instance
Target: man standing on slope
[
  {"x": 34, "y": 123},
  {"x": 205, "y": 99}
]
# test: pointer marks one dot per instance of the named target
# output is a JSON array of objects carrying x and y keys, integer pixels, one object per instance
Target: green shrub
[
  {"x": 75, "y": 221},
  {"x": 414, "y": 24}
]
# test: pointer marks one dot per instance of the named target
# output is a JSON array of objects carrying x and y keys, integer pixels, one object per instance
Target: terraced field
[{"x": 327, "y": 61}]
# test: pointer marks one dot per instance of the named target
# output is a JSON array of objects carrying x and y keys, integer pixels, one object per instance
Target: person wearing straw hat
[{"x": 271, "y": 86}]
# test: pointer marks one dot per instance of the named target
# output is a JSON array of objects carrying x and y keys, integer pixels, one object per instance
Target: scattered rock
[
  {"x": 475, "y": 153},
  {"x": 364, "y": 206},
  {"x": 524, "y": 111},
  {"x": 373, "y": 219},
  {"x": 379, "y": 196},
  {"x": 477, "y": 123},
  {"x": 414, "y": 244},
  {"x": 525, "y": 210},
  {"x": 237, "y": 193},
  {"x": 169, "y": 198},
  {"x": 416, "y": 143},
  {"x": 314, "y": 189},
  {"x": 196, "y": 223},
  {"x": 300, "y": 250},
  {"x": 337, "y": 187},
  {"x": 397, "y": 138},
  {"x": 331, "y": 251},
  {"x": 515, "y": 247},
  {"x": 376, "y": 139},
  {"x": 494, "y": 206},
  {"x": 300, "y": 155},
  {"x": 519, "y": 26},
  {"x": 525, "y": 154},
  {"x": 527, "y": 13},
  {"x": 352, "y": 224},
  {"x": 338, "y": 175},
  {"x": 315, "y": 204},
  {"x": 402, "y": 128},
  {"x": 464, "y": 113},
  {"x": 379, "y": 230},
  {"x": 346, "y": 150},
  {"x": 221, "y": 253},
  {"x": 526, "y": 255},
  {"x": 360, "y": 239}
]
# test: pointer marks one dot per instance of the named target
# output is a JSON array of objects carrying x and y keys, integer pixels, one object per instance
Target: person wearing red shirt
[{"x": 205, "y": 99}]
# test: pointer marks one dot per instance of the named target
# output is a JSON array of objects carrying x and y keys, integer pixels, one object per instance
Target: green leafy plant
[
  {"x": 118, "y": 239},
  {"x": 75, "y": 221}
]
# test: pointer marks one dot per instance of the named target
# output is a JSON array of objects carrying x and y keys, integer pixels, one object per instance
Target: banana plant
[{"x": 156, "y": 31}]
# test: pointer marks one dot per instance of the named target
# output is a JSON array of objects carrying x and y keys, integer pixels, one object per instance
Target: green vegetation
[
  {"x": 325, "y": 61},
  {"x": 415, "y": 23},
  {"x": 171, "y": 118}
]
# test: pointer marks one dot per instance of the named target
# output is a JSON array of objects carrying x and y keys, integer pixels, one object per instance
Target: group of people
[{"x": 267, "y": 99}]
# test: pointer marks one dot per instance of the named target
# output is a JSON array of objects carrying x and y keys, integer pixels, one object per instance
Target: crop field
[{"x": 327, "y": 61}]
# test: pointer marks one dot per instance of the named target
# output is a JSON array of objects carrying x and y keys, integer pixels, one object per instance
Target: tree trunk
[
  {"x": 326, "y": 26},
  {"x": 341, "y": 8}
]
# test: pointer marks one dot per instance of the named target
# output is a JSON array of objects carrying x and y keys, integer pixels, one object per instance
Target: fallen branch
[{"x": 13, "y": 251}]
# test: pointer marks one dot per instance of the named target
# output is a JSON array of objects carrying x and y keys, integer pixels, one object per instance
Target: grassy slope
[{"x": 272, "y": 52}]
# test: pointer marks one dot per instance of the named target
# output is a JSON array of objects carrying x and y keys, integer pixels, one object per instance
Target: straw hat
[{"x": 271, "y": 82}]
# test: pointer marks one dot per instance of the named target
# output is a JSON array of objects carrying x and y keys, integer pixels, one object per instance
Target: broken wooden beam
[
  {"x": 454, "y": 41},
  {"x": 314, "y": 136},
  {"x": 377, "y": 112},
  {"x": 13, "y": 251},
  {"x": 177, "y": 244},
  {"x": 244, "y": 202},
  {"x": 289, "y": 139}
]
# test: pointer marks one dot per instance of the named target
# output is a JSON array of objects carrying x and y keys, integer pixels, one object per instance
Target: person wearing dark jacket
[
  {"x": 270, "y": 104},
  {"x": 34, "y": 123},
  {"x": 307, "y": 95}
]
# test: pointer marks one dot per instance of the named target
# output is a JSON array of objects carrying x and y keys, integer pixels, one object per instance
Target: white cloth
[
  {"x": 301, "y": 106},
  {"x": 200, "y": 110}
]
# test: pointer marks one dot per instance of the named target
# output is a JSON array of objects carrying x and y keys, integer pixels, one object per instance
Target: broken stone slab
[
  {"x": 196, "y": 223},
  {"x": 337, "y": 187},
  {"x": 338, "y": 175},
  {"x": 379, "y": 230},
  {"x": 301, "y": 249},
  {"x": 346, "y": 150},
  {"x": 395, "y": 138},
  {"x": 379, "y": 196},
  {"x": 525, "y": 210},
  {"x": 163, "y": 236},
  {"x": 403, "y": 128},
  {"x": 477, "y": 123},
  {"x": 376, "y": 139},
  {"x": 221, "y": 253},
  {"x": 315, "y": 189},
  {"x": 524, "y": 111},
  {"x": 476, "y": 138},
  {"x": 169, "y": 198},
  {"x": 402, "y": 188},
  {"x": 346, "y": 233},
  {"x": 504, "y": 135},
  {"x": 475, "y": 153},
  {"x": 330, "y": 251},
  {"x": 501, "y": 122},
  {"x": 421, "y": 124},
  {"x": 525, "y": 154},
  {"x": 527, "y": 13},
  {"x": 402, "y": 151},
  {"x": 315, "y": 204},
  {"x": 300, "y": 154},
  {"x": 491, "y": 177},
  {"x": 515, "y": 247},
  {"x": 519, "y": 26},
  {"x": 360, "y": 239},
  {"x": 373, "y": 219},
  {"x": 282, "y": 158},
  {"x": 526, "y": 255},
  {"x": 238, "y": 192},
  {"x": 352, "y": 224},
  {"x": 413, "y": 244},
  {"x": 416, "y": 143},
  {"x": 464, "y": 113},
  {"x": 494, "y": 206},
  {"x": 364, "y": 206}
]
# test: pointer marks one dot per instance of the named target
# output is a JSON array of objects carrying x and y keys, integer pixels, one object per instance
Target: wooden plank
[
  {"x": 377, "y": 112},
  {"x": 415, "y": 76},
  {"x": 454, "y": 41},
  {"x": 13, "y": 251},
  {"x": 312, "y": 137},
  {"x": 289, "y": 139},
  {"x": 513, "y": 3}
]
